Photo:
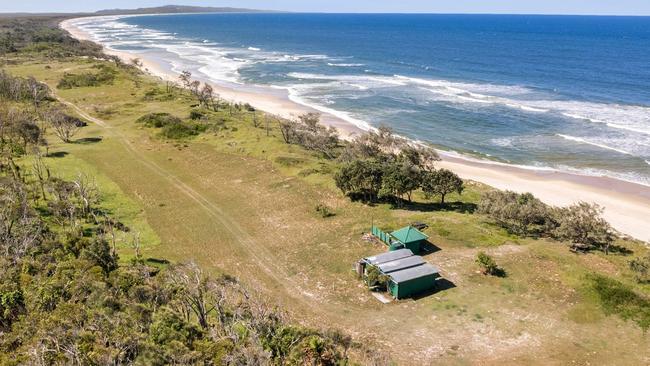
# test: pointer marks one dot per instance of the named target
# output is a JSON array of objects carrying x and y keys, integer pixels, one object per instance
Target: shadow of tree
[
  {"x": 460, "y": 207},
  {"x": 88, "y": 140},
  {"x": 57, "y": 154},
  {"x": 621, "y": 250}
]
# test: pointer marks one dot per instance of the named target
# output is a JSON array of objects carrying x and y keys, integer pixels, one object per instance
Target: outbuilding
[
  {"x": 388, "y": 256},
  {"x": 409, "y": 238},
  {"x": 412, "y": 281},
  {"x": 400, "y": 264}
]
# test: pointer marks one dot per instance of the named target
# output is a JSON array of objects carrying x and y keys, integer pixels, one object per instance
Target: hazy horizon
[{"x": 548, "y": 7}]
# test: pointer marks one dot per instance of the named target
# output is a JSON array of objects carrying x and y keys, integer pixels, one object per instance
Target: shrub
[
  {"x": 521, "y": 214},
  {"x": 182, "y": 130},
  {"x": 158, "y": 120},
  {"x": 374, "y": 278},
  {"x": 641, "y": 269},
  {"x": 583, "y": 226},
  {"x": 488, "y": 265},
  {"x": 196, "y": 114},
  {"x": 158, "y": 94},
  {"x": 324, "y": 211}
]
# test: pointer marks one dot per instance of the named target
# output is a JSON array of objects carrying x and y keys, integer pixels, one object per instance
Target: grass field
[{"x": 241, "y": 202}]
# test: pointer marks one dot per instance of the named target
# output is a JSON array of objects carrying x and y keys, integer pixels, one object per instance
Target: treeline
[
  {"x": 376, "y": 165},
  {"x": 379, "y": 165},
  {"x": 581, "y": 224}
]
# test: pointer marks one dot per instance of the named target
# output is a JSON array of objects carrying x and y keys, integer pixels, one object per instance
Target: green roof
[{"x": 408, "y": 234}]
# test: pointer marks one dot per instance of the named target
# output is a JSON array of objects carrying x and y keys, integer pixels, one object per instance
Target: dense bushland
[{"x": 43, "y": 36}]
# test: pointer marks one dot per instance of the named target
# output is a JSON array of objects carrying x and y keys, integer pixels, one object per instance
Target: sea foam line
[{"x": 587, "y": 142}]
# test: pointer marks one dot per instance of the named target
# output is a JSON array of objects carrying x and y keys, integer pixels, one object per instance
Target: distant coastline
[{"x": 627, "y": 204}]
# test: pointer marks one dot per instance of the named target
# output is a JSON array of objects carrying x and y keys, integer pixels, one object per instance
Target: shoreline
[{"x": 627, "y": 204}]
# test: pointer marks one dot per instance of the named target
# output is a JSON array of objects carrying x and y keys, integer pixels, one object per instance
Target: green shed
[
  {"x": 410, "y": 238},
  {"x": 411, "y": 281}
]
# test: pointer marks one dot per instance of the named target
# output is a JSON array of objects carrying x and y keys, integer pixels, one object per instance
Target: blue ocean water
[{"x": 563, "y": 92}]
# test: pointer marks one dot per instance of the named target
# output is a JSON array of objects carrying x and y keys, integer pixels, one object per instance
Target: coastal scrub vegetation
[
  {"x": 581, "y": 224},
  {"x": 42, "y": 36}
]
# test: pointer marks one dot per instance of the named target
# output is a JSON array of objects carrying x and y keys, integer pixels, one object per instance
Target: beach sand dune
[{"x": 627, "y": 205}]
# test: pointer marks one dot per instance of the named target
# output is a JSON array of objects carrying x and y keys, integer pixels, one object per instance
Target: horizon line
[{"x": 270, "y": 11}]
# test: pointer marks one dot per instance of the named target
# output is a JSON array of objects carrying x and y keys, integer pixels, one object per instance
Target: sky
[{"x": 596, "y": 7}]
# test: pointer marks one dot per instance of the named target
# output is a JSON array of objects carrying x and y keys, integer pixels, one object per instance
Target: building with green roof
[{"x": 409, "y": 238}]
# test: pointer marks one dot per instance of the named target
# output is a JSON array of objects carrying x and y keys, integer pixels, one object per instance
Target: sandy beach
[{"x": 627, "y": 205}]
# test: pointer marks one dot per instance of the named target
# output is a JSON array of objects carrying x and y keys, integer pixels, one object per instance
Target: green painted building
[
  {"x": 409, "y": 238},
  {"x": 408, "y": 274},
  {"x": 412, "y": 281}
]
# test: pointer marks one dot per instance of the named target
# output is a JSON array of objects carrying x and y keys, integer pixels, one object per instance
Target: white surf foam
[
  {"x": 295, "y": 96},
  {"x": 344, "y": 65},
  {"x": 588, "y": 142}
]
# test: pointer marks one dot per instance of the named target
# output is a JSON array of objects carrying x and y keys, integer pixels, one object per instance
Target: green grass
[{"x": 619, "y": 299}]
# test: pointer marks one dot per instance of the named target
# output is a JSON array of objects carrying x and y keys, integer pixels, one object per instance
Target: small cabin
[{"x": 408, "y": 238}]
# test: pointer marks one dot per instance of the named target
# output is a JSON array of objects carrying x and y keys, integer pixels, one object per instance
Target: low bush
[
  {"x": 158, "y": 120},
  {"x": 182, "y": 130},
  {"x": 158, "y": 94},
  {"x": 196, "y": 114},
  {"x": 324, "y": 211},
  {"x": 489, "y": 266},
  {"x": 641, "y": 269}
]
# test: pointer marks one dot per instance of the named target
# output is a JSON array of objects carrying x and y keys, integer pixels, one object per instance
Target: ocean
[{"x": 569, "y": 93}]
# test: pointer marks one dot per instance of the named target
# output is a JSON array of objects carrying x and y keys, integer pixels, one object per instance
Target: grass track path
[{"x": 258, "y": 253}]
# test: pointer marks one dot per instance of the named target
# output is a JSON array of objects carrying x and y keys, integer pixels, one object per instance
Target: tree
[
  {"x": 185, "y": 78},
  {"x": 441, "y": 182},
  {"x": 100, "y": 254},
  {"x": 206, "y": 95},
  {"x": 29, "y": 132},
  {"x": 582, "y": 224},
  {"x": 400, "y": 179},
  {"x": 360, "y": 177},
  {"x": 64, "y": 126},
  {"x": 288, "y": 130}
]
